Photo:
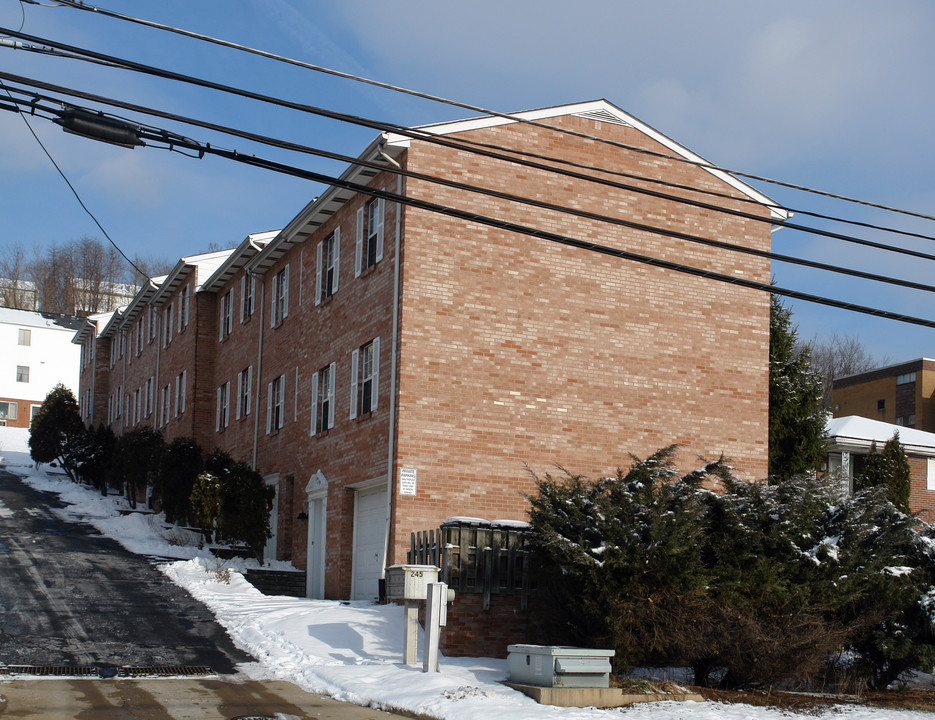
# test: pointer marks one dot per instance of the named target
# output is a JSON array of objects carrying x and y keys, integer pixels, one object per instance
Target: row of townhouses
[{"x": 386, "y": 366}]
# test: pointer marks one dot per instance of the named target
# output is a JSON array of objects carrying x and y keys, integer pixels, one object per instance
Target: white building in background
[{"x": 37, "y": 354}]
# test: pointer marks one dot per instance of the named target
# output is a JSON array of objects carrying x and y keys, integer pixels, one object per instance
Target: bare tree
[
  {"x": 151, "y": 266},
  {"x": 839, "y": 356},
  {"x": 16, "y": 291},
  {"x": 97, "y": 268},
  {"x": 52, "y": 272}
]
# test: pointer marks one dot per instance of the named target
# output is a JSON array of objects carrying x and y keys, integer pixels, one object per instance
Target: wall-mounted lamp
[{"x": 303, "y": 517}]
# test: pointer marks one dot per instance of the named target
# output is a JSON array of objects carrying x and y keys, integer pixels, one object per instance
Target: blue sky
[{"x": 833, "y": 95}]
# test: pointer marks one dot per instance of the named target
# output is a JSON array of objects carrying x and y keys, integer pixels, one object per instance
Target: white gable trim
[{"x": 593, "y": 109}]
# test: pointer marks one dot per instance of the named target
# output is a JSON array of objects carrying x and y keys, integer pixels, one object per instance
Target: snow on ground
[{"x": 352, "y": 651}]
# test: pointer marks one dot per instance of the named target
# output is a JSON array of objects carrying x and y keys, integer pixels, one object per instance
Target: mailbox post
[{"x": 410, "y": 583}]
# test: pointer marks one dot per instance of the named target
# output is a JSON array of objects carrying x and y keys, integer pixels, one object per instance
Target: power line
[
  {"x": 418, "y": 134},
  {"x": 171, "y": 139},
  {"x": 518, "y": 228},
  {"x": 70, "y": 186},
  {"x": 467, "y": 106}
]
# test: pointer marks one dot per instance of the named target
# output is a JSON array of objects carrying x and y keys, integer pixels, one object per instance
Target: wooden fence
[{"x": 479, "y": 558}]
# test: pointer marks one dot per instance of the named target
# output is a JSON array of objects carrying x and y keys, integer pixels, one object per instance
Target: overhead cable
[{"x": 475, "y": 108}]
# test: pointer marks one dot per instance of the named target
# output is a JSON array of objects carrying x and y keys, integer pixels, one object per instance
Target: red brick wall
[
  {"x": 921, "y": 499},
  {"x": 515, "y": 351}
]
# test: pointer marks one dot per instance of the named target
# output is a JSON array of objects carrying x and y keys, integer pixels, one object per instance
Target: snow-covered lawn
[{"x": 351, "y": 651}]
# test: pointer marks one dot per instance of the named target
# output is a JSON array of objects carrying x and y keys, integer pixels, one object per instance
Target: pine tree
[
  {"x": 56, "y": 431},
  {"x": 796, "y": 419},
  {"x": 889, "y": 468}
]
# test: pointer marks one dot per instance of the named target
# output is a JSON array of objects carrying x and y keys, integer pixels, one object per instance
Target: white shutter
[
  {"x": 221, "y": 320},
  {"x": 243, "y": 295},
  {"x": 285, "y": 294},
  {"x": 375, "y": 385},
  {"x": 272, "y": 305},
  {"x": 217, "y": 412},
  {"x": 319, "y": 270},
  {"x": 269, "y": 408},
  {"x": 337, "y": 258},
  {"x": 379, "y": 229},
  {"x": 184, "y": 387},
  {"x": 313, "y": 429},
  {"x": 227, "y": 403},
  {"x": 360, "y": 241},
  {"x": 181, "y": 311},
  {"x": 249, "y": 389},
  {"x": 354, "y": 359},
  {"x": 240, "y": 379},
  {"x": 333, "y": 401}
]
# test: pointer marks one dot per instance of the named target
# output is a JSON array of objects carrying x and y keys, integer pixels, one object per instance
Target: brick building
[
  {"x": 386, "y": 366},
  {"x": 902, "y": 394}
]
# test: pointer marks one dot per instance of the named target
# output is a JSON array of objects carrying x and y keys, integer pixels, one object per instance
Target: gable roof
[{"x": 603, "y": 111}]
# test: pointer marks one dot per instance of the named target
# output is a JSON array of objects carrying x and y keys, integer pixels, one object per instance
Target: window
[
  {"x": 149, "y": 396},
  {"x": 139, "y": 337},
  {"x": 244, "y": 393},
  {"x": 275, "y": 402},
  {"x": 369, "y": 250},
  {"x": 881, "y": 404},
  {"x": 323, "y": 399},
  {"x": 183, "y": 307},
  {"x": 136, "y": 406},
  {"x": 280, "y": 309},
  {"x": 226, "y": 324},
  {"x": 7, "y": 411},
  {"x": 165, "y": 406},
  {"x": 906, "y": 420},
  {"x": 33, "y": 411},
  {"x": 930, "y": 474},
  {"x": 25, "y": 337},
  {"x": 152, "y": 324},
  {"x": 329, "y": 260},
  {"x": 22, "y": 373},
  {"x": 223, "y": 409},
  {"x": 247, "y": 294},
  {"x": 365, "y": 378},
  {"x": 180, "y": 381},
  {"x": 167, "y": 322},
  {"x": 905, "y": 378}
]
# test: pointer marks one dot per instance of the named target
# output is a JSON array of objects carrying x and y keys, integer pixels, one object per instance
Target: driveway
[{"x": 74, "y": 600}]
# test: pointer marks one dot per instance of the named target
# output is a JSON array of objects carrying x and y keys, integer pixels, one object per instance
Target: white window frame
[
  {"x": 279, "y": 310},
  {"x": 244, "y": 392},
  {"x": 226, "y": 324},
  {"x": 11, "y": 409},
  {"x": 222, "y": 417},
  {"x": 24, "y": 337},
  {"x": 152, "y": 325},
  {"x": 140, "y": 332},
  {"x": 361, "y": 375},
  {"x": 323, "y": 399},
  {"x": 247, "y": 297},
  {"x": 325, "y": 264},
  {"x": 167, "y": 319},
  {"x": 22, "y": 373},
  {"x": 369, "y": 229},
  {"x": 275, "y": 404}
]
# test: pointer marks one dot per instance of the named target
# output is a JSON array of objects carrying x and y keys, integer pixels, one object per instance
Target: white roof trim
[{"x": 592, "y": 110}]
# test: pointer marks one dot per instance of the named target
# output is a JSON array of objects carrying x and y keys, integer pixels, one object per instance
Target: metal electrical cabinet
[{"x": 558, "y": 666}]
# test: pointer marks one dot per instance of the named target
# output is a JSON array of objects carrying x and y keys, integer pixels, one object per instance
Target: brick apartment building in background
[
  {"x": 902, "y": 394},
  {"x": 371, "y": 340}
]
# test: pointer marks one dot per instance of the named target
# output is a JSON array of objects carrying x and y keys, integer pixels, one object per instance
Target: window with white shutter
[
  {"x": 365, "y": 378},
  {"x": 369, "y": 248}
]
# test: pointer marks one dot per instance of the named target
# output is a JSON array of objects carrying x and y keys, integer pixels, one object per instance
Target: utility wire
[
  {"x": 417, "y": 133},
  {"x": 68, "y": 182},
  {"x": 474, "y": 108},
  {"x": 172, "y": 139},
  {"x": 472, "y": 217},
  {"x": 467, "y": 145}
]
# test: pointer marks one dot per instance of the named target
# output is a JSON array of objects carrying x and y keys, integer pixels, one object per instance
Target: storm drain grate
[{"x": 106, "y": 671}]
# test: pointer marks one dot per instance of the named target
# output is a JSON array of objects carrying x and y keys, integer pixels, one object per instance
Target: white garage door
[{"x": 369, "y": 532}]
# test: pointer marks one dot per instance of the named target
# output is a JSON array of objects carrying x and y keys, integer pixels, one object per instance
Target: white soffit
[{"x": 602, "y": 111}]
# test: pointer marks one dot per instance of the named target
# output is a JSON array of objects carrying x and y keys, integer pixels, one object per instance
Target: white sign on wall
[{"x": 407, "y": 481}]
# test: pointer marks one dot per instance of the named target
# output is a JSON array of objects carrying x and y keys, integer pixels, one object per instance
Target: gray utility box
[
  {"x": 409, "y": 582},
  {"x": 558, "y": 666}
]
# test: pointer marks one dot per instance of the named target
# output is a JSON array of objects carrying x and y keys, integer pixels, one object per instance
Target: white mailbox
[{"x": 409, "y": 582}]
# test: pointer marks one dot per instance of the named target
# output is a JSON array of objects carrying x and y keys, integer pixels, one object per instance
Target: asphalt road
[{"x": 72, "y": 598}]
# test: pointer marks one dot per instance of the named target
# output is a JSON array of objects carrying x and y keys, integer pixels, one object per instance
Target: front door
[{"x": 369, "y": 541}]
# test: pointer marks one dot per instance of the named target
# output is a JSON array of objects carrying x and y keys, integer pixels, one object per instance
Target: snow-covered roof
[
  {"x": 30, "y": 318},
  {"x": 202, "y": 265},
  {"x": 251, "y": 245},
  {"x": 858, "y": 433}
]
